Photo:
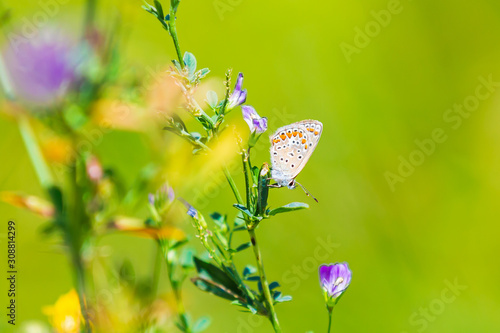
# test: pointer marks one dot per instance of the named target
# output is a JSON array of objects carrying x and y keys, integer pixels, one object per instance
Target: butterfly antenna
[{"x": 307, "y": 192}]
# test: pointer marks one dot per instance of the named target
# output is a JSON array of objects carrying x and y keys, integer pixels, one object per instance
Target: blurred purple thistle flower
[
  {"x": 256, "y": 123},
  {"x": 238, "y": 96},
  {"x": 42, "y": 68},
  {"x": 334, "y": 279}
]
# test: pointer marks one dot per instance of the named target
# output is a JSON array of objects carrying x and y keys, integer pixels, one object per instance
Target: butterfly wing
[{"x": 291, "y": 148}]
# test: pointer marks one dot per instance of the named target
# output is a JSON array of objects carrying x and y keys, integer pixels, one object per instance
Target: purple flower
[
  {"x": 41, "y": 68},
  {"x": 334, "y": 279},
  {"x": 191, "y": 211},
  {"x": 151, "y": 199},
  {"x": 256, "y": 123},
  {"x": 238, "y": 96},
  {"x": 162, "y": 198}
]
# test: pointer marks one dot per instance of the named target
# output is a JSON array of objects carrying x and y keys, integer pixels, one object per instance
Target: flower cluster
[{"x": 255, "y": 122}]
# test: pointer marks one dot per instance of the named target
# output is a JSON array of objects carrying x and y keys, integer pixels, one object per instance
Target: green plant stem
[
  {"x": 89, "y": 15},
  {"x": 77, "y": 232},
  {"x": 157, "y": 270},
  {"x": 173, "y": 33},
  {"x": 176, "y": 288},
  {"x": 80, "y": 283},
  {"x": 41, "y": 168},
  {"x": 233, "y": 186},
  {"x": 265, "y": 285},
  {"x": 330, "y": 311},
  {"x": 247, "y": 180}
]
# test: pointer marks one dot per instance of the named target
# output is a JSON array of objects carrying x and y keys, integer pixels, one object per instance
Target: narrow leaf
[
  {"x": 289, "y": 208},
  {"x": 159, "y": 9},
  {"x": 215, "y": 289},
  {"x": 244, "y": 210},
  {"x": 249, "y": 270},
  {"x": 201, "y": 324},
  {"x": 243, "y": 246},
  {"x": 215, "y": 274}
]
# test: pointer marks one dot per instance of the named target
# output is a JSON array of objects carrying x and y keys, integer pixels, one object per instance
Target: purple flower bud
[
  {"x": 151, "y": 199},
  {"x": 238, "y": 96},
  {"x": 171, "y": 194},
  {"x": 191, "y": 210},
  {"x": 42, "y": 68},
  {"x": 334, "y": 279},
  {"x": 254, "y": 121}
]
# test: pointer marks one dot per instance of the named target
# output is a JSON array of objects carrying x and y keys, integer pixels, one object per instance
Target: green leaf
[
  {"x": 239, "y": 220},
  {"x": 274, "y": 285},
  {"x": 177, "y": 65},
  {"x": 215, "y": 289},
  {"x": 216, "y": 275},
  {"x": 150, "y": 9},
  {"x": 255, "y": 174},
  {"x": 178, "y": 244},
  {"x": 212, "y": 99},
  {"x": 289, "y": 208},
  {"x": 253, "y": 278},
  {"x": 190, "y": 62},
  {"x": 186, "y": 258},
  {"x": 174, "y": 4},
  {"x": 262, "y": 189},
  {"x": 222, "y": 239},
  {"x": 243, "y": 246},
  {"x": 159, "y": 9},
  {"x": 219, "y": 219},
  {"x": 244, "y": 210},
  {"x": 201, "y": 324},
  {"x": 195, "y": 135},
  {"x": 202, "y": 73},
  {"x": 249, "y": 270},
  {"x": 283, "y": 299},
  {"x": 252, "y": 309},
  {"x": 56, "y": 197}
]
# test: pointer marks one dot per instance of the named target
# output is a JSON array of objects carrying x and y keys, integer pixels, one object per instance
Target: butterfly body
[{"x": 291, "y": 148}]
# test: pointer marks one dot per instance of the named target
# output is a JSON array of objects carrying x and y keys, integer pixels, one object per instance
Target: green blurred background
[{"x": 403, "y": 245}]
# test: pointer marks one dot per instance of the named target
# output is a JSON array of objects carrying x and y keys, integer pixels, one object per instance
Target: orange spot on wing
[
  {"x": 283, "y": 136},
  {"x": 300, "y": 135},
  {"x": 295, "y": 133},
  {"x": 304, "y": 141},
  {"x": 289, "y": 135},
  {"x": 305, "y": 147},
  {"x": 316, "y": 132},
  {"x": 310, "y": 130}
]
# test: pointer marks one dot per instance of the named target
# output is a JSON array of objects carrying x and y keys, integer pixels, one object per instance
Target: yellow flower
[{"x": 65, "y": 315}]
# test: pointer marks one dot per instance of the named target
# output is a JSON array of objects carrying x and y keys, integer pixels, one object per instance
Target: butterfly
[{"x": 291, "y": 148}]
